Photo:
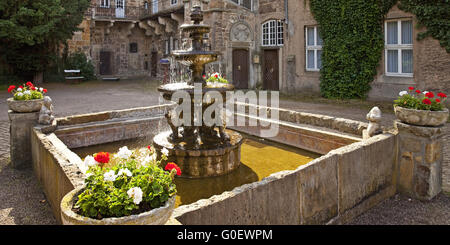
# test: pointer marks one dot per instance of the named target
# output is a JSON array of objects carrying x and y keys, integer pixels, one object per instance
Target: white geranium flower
[
  {"x": 41, "y": 89},
  {"x": 425, "y": 92},
  {"x": 19, "y": 89},
  {"x": 125, "y": 171},
  {"x": 165, "y": 152},
  {"x": 136, "y": 194},
  {"x": 403, "y": 93},
  {"x": 148, "y": 159},
  {"x": 19, "y": 94},
  {"x": 89, "y": 161},
  {"x": 110, "y": 176},
  {"x": 28, "y": 92},
  {"x": 124, "y": 153}
]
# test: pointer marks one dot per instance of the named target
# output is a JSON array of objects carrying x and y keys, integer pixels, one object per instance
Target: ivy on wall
[
  {"x": 352, "y": 44},
  {"x": 434, "y": 15},
  {"x": 353, "y": 39}
]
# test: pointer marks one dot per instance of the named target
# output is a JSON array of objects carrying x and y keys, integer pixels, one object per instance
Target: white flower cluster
[
  {"x": 135, "y": 193},
  {"x": 165, "y": 152},
  {"x": 112, "y": 176},
  {"x": 403, "y": 93},
  {"x": 124, "y": 153},
  {"x": 88, "y": 162}
]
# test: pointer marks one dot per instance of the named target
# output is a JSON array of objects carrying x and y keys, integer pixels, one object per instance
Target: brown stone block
[
  {"x": 433, "y": 151},
  {"x": 406, "y": 173},
  {"x": 410, "y": 144}
]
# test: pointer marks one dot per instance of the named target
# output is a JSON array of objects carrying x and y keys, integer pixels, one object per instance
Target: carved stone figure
[
  {"x": 241, "y": 33},
  {"x": 46, "y": 114},
  {"x": 374, "y": 117}
]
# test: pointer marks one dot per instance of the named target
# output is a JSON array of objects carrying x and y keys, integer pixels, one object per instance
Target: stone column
[
  {"x": 420, "y": 160},
  {"x": 21, "y": 125}
]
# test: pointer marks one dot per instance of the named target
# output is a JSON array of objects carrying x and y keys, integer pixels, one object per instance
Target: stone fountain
[{"x": 200, "y": 150}]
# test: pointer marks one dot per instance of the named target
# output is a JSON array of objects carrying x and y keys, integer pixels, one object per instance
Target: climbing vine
[
  {"x": 434, "y": 15},
  {"x": 353, "y": 39}
]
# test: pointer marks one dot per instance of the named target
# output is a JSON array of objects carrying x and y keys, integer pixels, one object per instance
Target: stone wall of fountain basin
[{"x": 351, "y": 177}]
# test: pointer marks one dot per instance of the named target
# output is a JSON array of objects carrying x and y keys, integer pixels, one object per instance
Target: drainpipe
[{"x": 286, "y": 5}]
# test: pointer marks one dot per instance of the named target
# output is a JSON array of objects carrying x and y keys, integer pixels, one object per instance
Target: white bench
[{"x": 71, "y": 76}]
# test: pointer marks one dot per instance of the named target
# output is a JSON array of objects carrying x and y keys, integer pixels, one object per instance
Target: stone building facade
[{"x": 264, "y": 44}]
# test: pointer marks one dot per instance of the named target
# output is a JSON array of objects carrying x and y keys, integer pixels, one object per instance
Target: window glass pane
[
  {"x": 319, "y": 38},
  {"x": 392, "y": 61},
  {"x": 319, "y": 59},
  {"x": 311, "y": 64},
  {"x": 407, "y": 32},
  {"x": 407, "y": 61},
  {"x": 392, "y": 33},
  {"x": 247, "y": 4},
  {"x": 310, "y": 36}
]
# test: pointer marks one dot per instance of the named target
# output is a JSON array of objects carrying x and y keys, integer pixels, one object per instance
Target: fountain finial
[{"x": 196, "y": 14}]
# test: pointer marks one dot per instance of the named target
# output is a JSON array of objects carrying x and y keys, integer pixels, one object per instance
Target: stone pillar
[
  {"x": 21, "y": 125},
  {"x": 420, "y": 160}
]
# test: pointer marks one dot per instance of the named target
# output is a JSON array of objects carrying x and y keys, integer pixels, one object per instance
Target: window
[
  {"x": 104, "y": 3},
  {"x": 133, "y": 47},
  {"x": 313, "y": 49},
  {"x": 399, "y": 48},
  {"x": 155, "y": 6},
  {"x": 244, "y": 3},
  {"x": 145, "y": 5},
  {"x": 272, "y": 33},
  {"x": 173, "y": 2}
]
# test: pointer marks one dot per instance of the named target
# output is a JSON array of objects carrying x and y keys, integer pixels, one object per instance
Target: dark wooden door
[
  {"x": 105, "y": 63},
  {"x": 240, "y": 68},
  {"x": 154, "y": 63},
  {"x": 270, "y": 70}
]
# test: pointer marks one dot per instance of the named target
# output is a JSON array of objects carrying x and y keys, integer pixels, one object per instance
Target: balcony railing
[{"x": 150, "y": 7}]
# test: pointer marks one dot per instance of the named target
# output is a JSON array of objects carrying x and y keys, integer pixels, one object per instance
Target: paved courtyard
[{"x": 22, "y": 201}]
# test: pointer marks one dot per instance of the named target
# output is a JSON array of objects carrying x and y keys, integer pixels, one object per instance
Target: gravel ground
[{"x": 22, "y": 201}]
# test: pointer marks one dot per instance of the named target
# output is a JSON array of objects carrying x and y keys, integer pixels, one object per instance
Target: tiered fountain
[{"x": 200, "y": 151}]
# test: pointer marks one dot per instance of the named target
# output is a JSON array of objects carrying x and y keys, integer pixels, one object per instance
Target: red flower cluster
[
  {"x": 11, "y": 88},
  {"x": 426, "y": 101},
  {"x": 442, "y": 95},
  {"x": 429, "y": 95},
  {"x": 418, "y": 91},
  {"x": 149, "y": 148},
  {"x": 102, "y": 157},
  {"x": 411, "y": 88},
  {"x": 172, "y": 165}
]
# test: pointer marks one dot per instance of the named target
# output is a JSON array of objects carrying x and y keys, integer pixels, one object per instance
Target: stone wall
[{"x": 332, "y": 189}]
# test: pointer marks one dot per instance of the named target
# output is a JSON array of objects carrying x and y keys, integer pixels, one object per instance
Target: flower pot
[
  {"x": 421, "y": 117},
  {"x": 25, "y": 106},
  {"x": 158, "y": 216}
]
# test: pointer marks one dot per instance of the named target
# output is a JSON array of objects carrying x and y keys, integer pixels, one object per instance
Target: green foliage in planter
[
  {"x": 434, "y": 15},
  {"x": 102, "y": 198},
  {"x": 352, "y": 44}
]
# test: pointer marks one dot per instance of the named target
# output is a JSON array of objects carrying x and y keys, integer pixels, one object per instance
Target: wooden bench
[{"x": 72, "y": 76}]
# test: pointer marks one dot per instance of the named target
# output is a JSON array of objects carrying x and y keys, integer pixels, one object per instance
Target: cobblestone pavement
[{"x": 23, "y": 202}]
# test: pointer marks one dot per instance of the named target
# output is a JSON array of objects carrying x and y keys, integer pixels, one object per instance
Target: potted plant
[
  {"x": 128, "y": 187},
  {"x": 421, "y": 108},
  {"x": 215, "y": 78},
  {"x": 26, "y": 98}
]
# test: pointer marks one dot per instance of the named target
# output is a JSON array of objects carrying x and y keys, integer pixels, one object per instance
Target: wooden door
[
  {"x": 105, "y": 63},
  {"x": 270, "y": 70},
  {"x": 154, "y": 63},
  {"x": 240, "y": 68}
]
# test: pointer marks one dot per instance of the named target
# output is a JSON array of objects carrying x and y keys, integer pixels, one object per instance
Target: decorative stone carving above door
[{"x": 241, "y": 32}]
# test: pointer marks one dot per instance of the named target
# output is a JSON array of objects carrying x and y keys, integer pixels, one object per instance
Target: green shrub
[{"x": 79, "y": 61}]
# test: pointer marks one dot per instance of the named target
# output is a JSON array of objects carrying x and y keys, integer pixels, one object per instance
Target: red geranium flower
[
  {"x": 102, "y": 157},
  {"x": 149, "y": 148},
  {"x": 44, "y": 90},
  {"x": 29, "y": 84},
  {"x": 426, "y": 101},
  {"x": 442, "y": 95},
  {"x": 21, "y": 86},
  {"x": 438, "y": 100},
  {"x": 11, "y": 88},
  {"x": 418, "y": 91},
  {"x": 172, "y": 165},
  {"x": 411, "y": 88},
  {"x": 217, "y": 76},
  {"x": 429, "y": 95},
  {"x": 204, "y": 76},
  {"x": 33, "y": 88}
]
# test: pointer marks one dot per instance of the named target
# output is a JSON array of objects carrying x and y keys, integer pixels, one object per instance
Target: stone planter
[
  {"x": 157, "y": 216},
  {"x": 24, "y": 106},
  {"x": 421, "y": 117}
]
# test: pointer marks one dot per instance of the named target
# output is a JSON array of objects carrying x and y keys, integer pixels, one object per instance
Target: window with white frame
[
  {"x": 313, "y": 48},
  {"x": 399, "y": 48},
  {"x": 104, "y": 3},
  {"x": 155, "y": 6},
  {"x": 244, "y": 3},
  {"x": 273, "y": 33},
  {"x": 173, "y": 2}
]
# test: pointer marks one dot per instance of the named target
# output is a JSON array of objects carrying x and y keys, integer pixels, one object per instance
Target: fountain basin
[{"x": 201, "y": 163}]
